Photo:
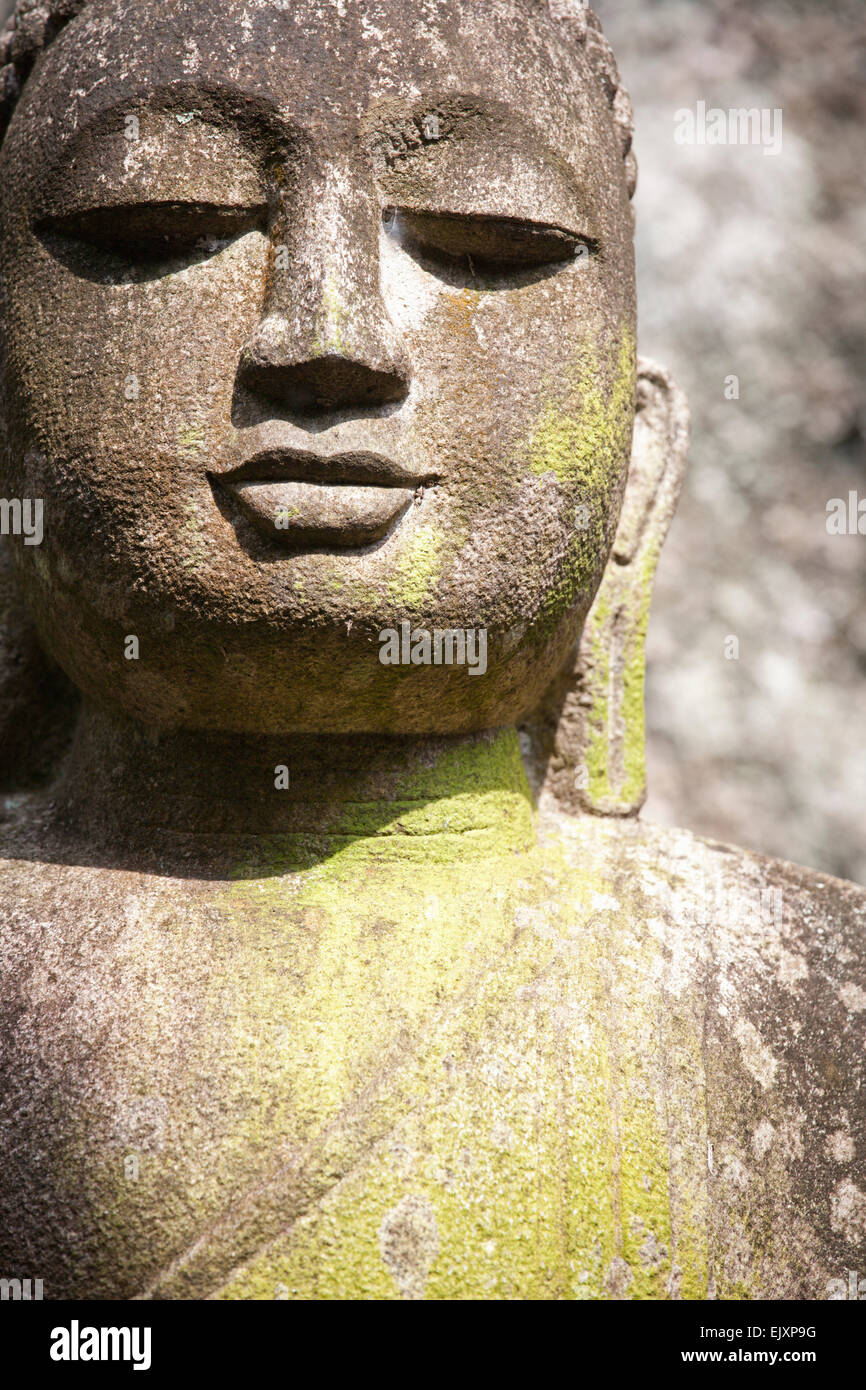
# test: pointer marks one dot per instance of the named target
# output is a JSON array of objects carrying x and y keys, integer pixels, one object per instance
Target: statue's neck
[{"x": 291, "y": 799}]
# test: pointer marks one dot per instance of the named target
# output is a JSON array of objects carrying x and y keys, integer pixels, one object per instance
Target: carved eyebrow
[
  {"x": 214, "y": 102},
  {"x": 218, "y": 141},
  {"x": 461, "y": 114},
  {"x": 474, "y": 156}
]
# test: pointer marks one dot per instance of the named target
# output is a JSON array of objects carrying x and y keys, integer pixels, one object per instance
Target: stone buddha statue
[{"x": 336, "y": 962}]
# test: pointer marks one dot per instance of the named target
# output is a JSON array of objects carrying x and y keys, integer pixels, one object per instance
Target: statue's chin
[{"x": 405, "y": 679}]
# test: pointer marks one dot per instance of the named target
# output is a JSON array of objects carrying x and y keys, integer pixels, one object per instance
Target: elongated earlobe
[{"x": 585, "y": 742}]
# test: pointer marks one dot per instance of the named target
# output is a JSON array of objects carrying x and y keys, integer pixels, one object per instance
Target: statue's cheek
[
  {"x": 132, "y": 359},
  {"x": 493, "y": 367},
  {"x": 578, "y": 443}
]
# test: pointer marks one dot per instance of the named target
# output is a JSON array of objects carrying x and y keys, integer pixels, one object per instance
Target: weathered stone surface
[
  {"x": 304, "y": 995},
  {"x": 626, "y": 1063},
  {"x": 224, "y": 295}
]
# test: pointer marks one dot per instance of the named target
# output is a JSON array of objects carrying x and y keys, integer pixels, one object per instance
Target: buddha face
[{"x": 319, "y": 321}]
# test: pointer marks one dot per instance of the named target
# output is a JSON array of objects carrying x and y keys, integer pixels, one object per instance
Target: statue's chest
[{"x": 311, "y": 1095}]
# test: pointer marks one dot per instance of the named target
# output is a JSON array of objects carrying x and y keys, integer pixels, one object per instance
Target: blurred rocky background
[{"x": 754, "y": 266}]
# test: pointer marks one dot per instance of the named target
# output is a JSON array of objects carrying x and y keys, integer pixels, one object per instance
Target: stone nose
[{"x": 325, "y": 340}]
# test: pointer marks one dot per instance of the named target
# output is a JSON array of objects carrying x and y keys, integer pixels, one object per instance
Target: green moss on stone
[
  {"x": 585, "y": 439},
  {"x": 417, "y": 568},
  {"x": 522, "y": 1139}
]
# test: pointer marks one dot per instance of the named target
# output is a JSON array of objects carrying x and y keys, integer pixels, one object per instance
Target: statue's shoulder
[
  {"x": 754, "y": 970},
  {"x": 742, "y": 927},
  {"x": 694, "y": 882}
]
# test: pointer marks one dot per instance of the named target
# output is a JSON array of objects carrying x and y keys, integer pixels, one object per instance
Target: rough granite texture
[
  {"x": 627, "y": 1063},
  {"x": 308, "y": 989}
]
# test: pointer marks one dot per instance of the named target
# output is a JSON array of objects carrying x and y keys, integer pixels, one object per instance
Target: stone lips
[{"x": 302, "y": 514}]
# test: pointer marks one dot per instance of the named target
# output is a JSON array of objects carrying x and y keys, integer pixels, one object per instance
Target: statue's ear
[{"x": 585, "y": 743}]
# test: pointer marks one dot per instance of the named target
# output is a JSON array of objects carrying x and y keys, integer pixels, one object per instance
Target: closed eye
[
  {"x": 496, "y": 242},
  {"x": 145, "y": 236}
]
